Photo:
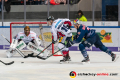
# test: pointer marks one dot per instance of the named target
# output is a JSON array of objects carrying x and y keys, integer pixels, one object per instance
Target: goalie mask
[{"x": 27, "y": 30}]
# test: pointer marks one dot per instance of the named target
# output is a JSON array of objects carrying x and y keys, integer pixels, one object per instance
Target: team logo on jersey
[{"x": 72, "y": 74}]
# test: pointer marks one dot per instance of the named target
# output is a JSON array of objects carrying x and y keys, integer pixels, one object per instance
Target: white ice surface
[{"x": 50, "y": 69}]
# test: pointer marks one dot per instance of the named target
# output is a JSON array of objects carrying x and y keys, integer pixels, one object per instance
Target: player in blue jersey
[{"x": 90, "y": 38}]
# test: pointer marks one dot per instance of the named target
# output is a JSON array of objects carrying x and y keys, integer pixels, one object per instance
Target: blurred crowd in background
[
  {"x": 7, "y": 3},
  {"x": 105, "y": 10},
  {"x": 40, "y": 2}
]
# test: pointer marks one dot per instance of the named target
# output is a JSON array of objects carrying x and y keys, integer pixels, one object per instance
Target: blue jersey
[{"x": 84, "y": 32}]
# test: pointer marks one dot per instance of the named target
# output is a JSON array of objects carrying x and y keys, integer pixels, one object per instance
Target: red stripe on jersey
[
  {"x": 32, "y": 33},
  {"x": 59, "y": 34},
  {"x": 21, "y": 33}
]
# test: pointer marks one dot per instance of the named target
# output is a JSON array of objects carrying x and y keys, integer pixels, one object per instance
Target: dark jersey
[{"x": 84, "y": 32}]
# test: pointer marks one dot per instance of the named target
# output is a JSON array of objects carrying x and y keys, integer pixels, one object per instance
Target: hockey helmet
[
  {"x": 50, "y": 18},
  {"x": 68, "y": 24},
  {"x": 76, "y": 22}
]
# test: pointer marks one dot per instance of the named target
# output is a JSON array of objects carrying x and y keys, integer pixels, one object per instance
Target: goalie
[{"x": 27, "y": 39}]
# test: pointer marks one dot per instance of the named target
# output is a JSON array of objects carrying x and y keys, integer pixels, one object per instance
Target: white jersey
[
  {"x": 58, "y": 29},
  {"x": 21, "y": 35}
]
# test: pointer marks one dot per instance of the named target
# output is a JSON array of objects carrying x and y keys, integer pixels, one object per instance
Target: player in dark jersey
[{"x": 90, "y": 38}]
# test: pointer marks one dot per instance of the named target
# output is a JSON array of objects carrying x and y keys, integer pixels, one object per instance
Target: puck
[{"x": 22, "y": 62}]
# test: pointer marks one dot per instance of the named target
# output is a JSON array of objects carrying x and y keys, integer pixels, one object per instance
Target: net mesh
[{"x": 44, "y": 33}]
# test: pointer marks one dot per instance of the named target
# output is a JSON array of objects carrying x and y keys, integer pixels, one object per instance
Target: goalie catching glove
[{"x": 75, "y": 37}]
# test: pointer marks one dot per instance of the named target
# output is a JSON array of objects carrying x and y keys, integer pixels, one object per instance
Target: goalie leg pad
[
  {"x": 14, "y": 43},
  {"x": 21, "y": 45},
  {"x": 10, "y": 52},
  {"x": 37, "y": 50}
]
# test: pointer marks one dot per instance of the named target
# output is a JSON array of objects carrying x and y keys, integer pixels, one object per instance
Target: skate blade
[
  {"x": 64, "y": 62},
  {"x": 116, "y": 58},
  {"x": 86, "y": 62}
]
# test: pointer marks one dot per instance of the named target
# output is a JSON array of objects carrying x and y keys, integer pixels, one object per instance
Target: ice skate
[
  {"x": 86, "y": 60},
  {"x": 65, "y": 59},
  {"x": 114, "y": 57}
]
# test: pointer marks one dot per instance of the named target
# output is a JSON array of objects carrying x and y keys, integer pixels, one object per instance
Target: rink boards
[{"x": 110, "y": 38}]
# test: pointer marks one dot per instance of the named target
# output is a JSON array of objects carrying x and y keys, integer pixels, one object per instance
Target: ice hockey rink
[{"x": 51, "y": 69}]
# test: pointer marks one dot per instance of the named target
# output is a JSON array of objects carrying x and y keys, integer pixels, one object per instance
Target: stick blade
[
  {"x": 9, "y": 63},
  {"x": 41, "y": 58}
]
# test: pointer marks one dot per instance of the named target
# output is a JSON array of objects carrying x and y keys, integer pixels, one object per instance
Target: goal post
[{"x": 45, "y": 34}]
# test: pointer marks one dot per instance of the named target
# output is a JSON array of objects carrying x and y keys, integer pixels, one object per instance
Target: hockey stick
[
  {"x": 45, "y": 49},
  {"x": 7, "y": 63},
  {"x": 15, "y": 48},
  {"x": 51, "y": 54},
  {"x": 41, "y": 32}
]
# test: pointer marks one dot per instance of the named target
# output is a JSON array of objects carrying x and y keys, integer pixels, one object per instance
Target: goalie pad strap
[{"x": 14, "y": 43}]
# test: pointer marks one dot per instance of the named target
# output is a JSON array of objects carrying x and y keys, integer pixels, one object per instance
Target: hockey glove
[
  {"x": 53, "y": 41},
  {"x": 19, "y": 40},
  {"x": 69, "y": 44},
  {"x": 75, "y": 37}
]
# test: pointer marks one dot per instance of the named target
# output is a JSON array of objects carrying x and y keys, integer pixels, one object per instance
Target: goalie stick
[
  {"x": 7, "y": 63},
  {"x": 42, "y": 36},
  {"x": 15, "y": 48}
]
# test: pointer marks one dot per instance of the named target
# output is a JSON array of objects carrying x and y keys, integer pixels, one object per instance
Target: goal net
[{"x": 40, "y": 28}]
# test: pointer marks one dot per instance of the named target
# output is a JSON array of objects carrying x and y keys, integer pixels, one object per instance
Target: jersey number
[{"x": 64, "y": 28}]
